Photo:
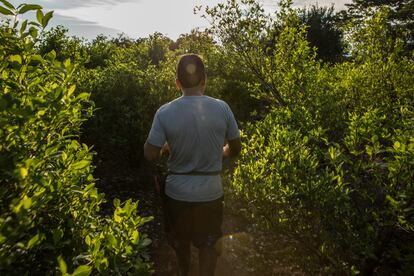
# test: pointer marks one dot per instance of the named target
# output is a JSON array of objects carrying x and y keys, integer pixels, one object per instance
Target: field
[{"x": 324, "y": 183}]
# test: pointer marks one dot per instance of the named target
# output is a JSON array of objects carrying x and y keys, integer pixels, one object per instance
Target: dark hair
[{"x": 190, "y": 70}]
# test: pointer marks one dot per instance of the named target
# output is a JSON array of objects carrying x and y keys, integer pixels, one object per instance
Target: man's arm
[
  {"x": 232, "y": 148},
  {"x": 152, "y": 153}
]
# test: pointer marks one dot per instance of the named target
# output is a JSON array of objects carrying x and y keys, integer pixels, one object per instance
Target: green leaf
[
  {"x": 23, "y": 26},
  {"x": 23, "y": 172},
  {"x": 35, "y": 24},
  {"x": 5, "y": 11},
  {"x": 88, "y": 240},
  {"x": 7, "y": 4},
  {"x": 397, "y": 145},
  {"x": 89, "y": 187},
  {"x": 47, "y": 18},
  {"x": 71, "y": 90},
  {"x": 39, "y": 16},
  {"x": 62, "y": 265},
  {"x": 2, "y": 239},
  {"x": 83, "y": 96},
  {"x": 51, "y": 56},
  {"x": 29, "y": 7},
  {"x": 82, "y": 270},
  {"x": 146, "y": 242},
  {"x": 35, "y": 240},
  {"x": 33, "y": 32},
  {"x": 80, "y": 165},
  {"x": 135, "y": 237},
  {"x": 117, "y": 217},
  {"x": 117, "y": 202},
  {"x": 112, "y": 240},
  {"x": 16, "y": 58},
  {"x": 37, "y": 58},
  {"x": 27, "y": 202}
]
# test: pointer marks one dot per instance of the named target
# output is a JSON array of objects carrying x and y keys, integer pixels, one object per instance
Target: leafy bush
[
  {"x": 135, "y": 80},
  {"x": 49, "y": 207},
  {"x": 126, "y": 94},
  {"x": 333, "y": 166}
]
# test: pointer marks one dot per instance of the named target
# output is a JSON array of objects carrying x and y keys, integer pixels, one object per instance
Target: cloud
[
  {"x": 82, "y": 28},
  {"x": 139, "y": 18},
  {"x": 70, "y": 4}
]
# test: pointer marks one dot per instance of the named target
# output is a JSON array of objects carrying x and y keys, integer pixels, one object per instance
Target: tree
[
  {"x": 401, "y": 15},
  {"x": 267, "y": 47},
  {"x": 57, "y": 39},
  {"x": 50, "y": 219},
  {"x": 323, "y": 32}
]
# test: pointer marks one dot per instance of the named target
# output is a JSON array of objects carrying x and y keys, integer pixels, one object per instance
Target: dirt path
[{"x": 246, "y": 250}]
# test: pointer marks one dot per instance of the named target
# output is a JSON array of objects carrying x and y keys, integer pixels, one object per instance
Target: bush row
[{"x": 49, "y": 206}]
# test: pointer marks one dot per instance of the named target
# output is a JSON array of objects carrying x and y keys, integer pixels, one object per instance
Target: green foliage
[
  {"x": 323, "y": 32},
  {"x": 274, "y": 50},
  {"x": 130, "y": 82},
  {"x": 49, "y": 205},
  {"x": 334, "y": 170},
  {"x": 328, "y": 149},
  {"x": 126, "y": 91},
  {"x": 56, "y": 39},
  {"x": 400, "y": 19}
]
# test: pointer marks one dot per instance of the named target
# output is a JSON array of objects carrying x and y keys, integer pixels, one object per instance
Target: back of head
[{"x": 190, "y": 71}]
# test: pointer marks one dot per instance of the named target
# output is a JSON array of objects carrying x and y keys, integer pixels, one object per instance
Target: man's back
[
  {"x": 199, "y": 130},
  {"x": 196, "y": 128}
]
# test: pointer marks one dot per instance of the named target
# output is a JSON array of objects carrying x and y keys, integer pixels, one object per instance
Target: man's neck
[{"x": 194, "y": 91}]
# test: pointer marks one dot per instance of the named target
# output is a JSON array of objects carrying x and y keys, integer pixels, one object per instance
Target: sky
[{"x": 139, "y": 18}]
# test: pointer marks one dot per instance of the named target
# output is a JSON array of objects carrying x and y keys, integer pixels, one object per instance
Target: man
[{"x": 195, "y": 127}]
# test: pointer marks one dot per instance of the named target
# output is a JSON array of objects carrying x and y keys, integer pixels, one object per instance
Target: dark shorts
[{"x": 196, "y": 222}]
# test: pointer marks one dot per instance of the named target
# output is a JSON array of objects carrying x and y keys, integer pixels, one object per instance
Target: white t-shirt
[{"x": 196, "y": 129}]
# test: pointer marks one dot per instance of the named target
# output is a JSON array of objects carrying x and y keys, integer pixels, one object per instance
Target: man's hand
[
  {"x": 152, "y": 154},
  {"x": 165, "y": 150},
  {"x": 232, "y": 148}
]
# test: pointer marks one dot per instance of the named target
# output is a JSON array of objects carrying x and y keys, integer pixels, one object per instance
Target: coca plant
[{"x": 49, "y": 206}]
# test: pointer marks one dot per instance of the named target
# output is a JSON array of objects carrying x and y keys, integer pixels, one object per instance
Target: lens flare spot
[{"x": 190, "y": 68}]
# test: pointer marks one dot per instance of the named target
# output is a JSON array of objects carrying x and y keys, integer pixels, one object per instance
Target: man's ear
[
  {"x": 204, "y": 81},
  {"x": 178, "y": 84}
]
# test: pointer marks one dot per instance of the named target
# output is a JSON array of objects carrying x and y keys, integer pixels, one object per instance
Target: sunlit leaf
[
  {"x": 35, "y": 240},
  {"x": 29, "y": 7},
  {"x": 5, "y": 11},
  {"x": 16, "y": 58},
  {"x": 112, "y": 240},
  {"x": 23, "y": 172},
  {"x": 80, "y": 165},
  {"x": 135, "y": 237},
  {"x": 47, "y": 18},
  {"x": 23, "y": 26},
  {"x": 83, "y": 96},
  {"x": 82, "y": 270},
  {"x": 27, "y": 202},
  {"x": 62, "y": 265},
  {"x": 7, "y": 4},
  {"x": 33, "y": 32},
  {"x": 39, "y": 16}
]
